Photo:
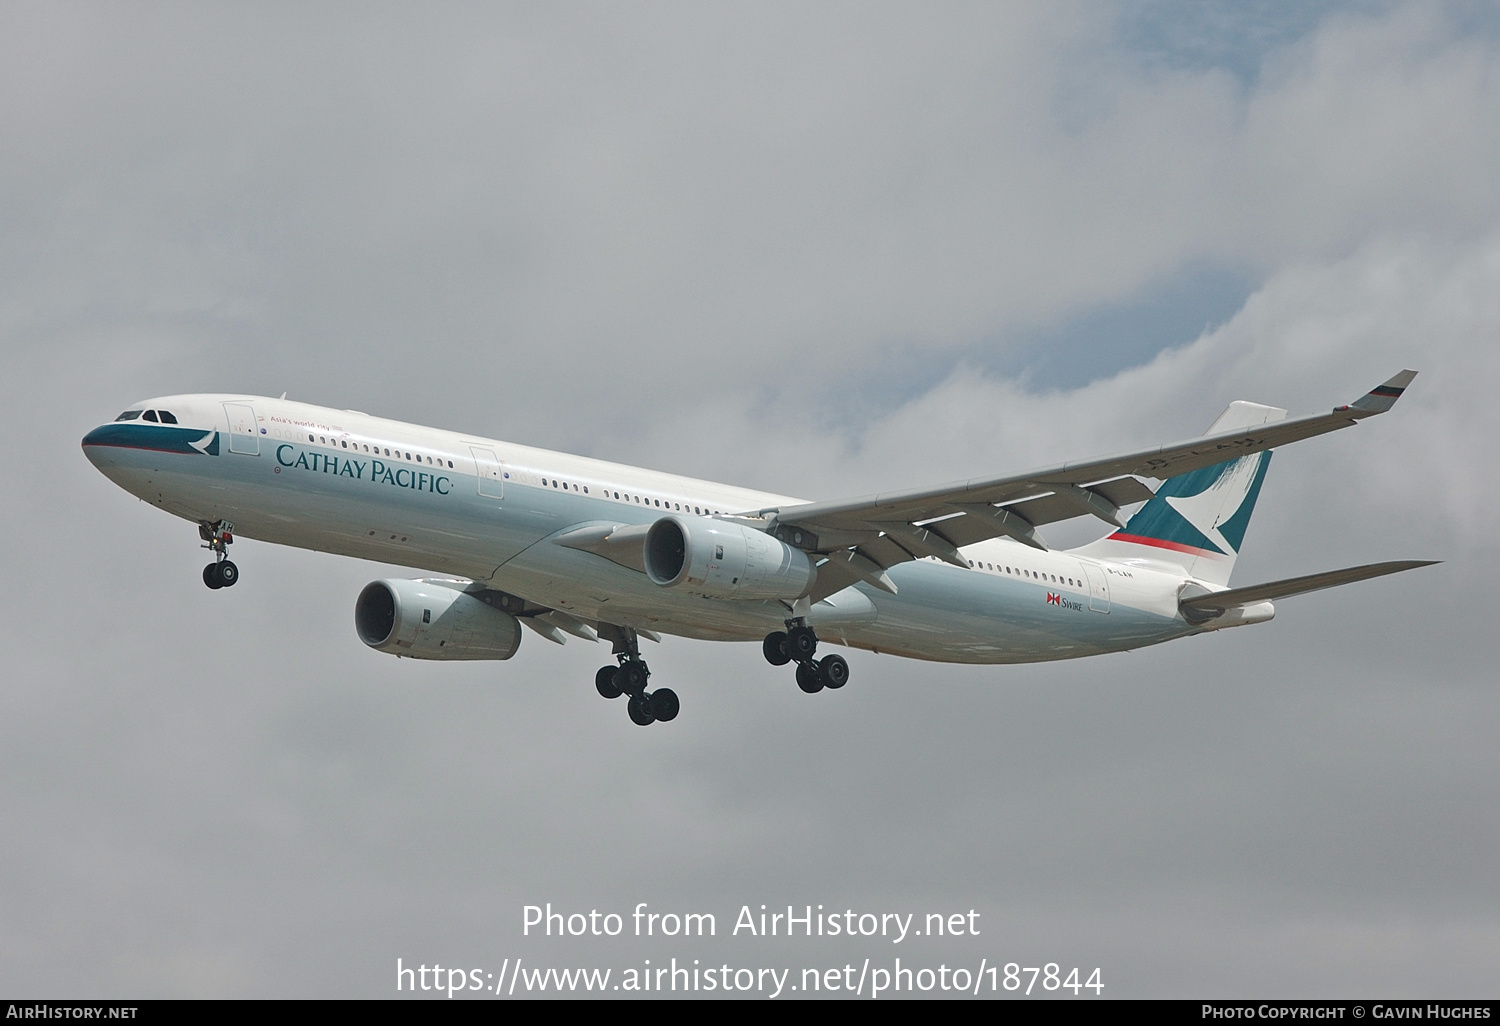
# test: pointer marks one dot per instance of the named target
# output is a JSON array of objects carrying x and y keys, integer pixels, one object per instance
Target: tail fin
[{"x": 1198, "y": 519}]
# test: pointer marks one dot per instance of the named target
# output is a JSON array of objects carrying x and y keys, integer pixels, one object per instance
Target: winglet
[{"x": 1381, "y": 397}]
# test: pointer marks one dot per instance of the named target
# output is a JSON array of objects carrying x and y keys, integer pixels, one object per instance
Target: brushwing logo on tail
[{"x": 1185, "y": 515}]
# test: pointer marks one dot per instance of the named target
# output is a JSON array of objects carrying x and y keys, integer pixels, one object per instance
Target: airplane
[{"x": 571, "y": 546}]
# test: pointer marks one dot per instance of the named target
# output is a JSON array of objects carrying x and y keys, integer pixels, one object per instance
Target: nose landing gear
[
  {"x": 217, "y": 537},
  {"x": 799, "y": 642}
]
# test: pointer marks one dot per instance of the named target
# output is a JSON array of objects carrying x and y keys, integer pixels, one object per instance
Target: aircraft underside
[{"x": 568, "y": 546}]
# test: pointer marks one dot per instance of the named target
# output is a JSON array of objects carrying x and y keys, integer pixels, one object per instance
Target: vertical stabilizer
[{"x": 1198, "y": 519}]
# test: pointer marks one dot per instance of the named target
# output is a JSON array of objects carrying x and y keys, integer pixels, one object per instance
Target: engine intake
[
  {"x": 433, "y": 619},
  {"x": 722, "y": 560}
]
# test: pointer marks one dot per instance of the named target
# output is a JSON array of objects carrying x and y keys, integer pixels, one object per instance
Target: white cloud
[{"x": 661, "y": 235}]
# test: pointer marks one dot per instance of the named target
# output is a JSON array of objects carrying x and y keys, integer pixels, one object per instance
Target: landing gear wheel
[
  {"x": 631, "y": 678},
  {"x": 221, "y": 573},
  {"x": 834, "y": 671},
  {"x": 604, "y": 682},
  {"x": 640, "y": 710},
  {"x": 664, "y": 704},
  {"x": 809, "y": 678},
  {"x": 801, "y": 643},
  {"x": 775, "y": 649}
]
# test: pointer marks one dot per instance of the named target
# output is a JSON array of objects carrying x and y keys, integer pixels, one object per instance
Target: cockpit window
[
  {"x": 149, "y": 415},
  {"x": 129, "y": 415},
  {"x": 167, "y": 418}
]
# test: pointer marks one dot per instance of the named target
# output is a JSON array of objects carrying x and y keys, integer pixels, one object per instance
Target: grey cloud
[{"x": 660, "y": 235}]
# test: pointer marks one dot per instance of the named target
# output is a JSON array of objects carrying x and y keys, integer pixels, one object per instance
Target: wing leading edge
[{"x": 892, "y": 527}]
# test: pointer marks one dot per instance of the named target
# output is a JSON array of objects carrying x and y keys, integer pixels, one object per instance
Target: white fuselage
[{"x": 345, "y": 482}]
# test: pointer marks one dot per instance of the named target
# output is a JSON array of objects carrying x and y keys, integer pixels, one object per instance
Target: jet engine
[
  {"x": 722, "y": 560},
  {"x": 433, "y": 619}
]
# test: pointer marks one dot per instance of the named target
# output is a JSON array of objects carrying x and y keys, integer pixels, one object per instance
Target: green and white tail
[{"x": 1198, "y": 519}]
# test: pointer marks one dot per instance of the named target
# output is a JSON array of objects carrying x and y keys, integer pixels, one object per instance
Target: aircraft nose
[{"x": 96, "y": 445}]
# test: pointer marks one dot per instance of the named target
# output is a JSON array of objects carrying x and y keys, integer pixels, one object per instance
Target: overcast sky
[{"x": 818, "y": 249}]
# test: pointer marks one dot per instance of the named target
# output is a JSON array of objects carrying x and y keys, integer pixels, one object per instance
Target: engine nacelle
[
  {"x": 433, "y": 619},
  {"x": 722, "y": 560}
]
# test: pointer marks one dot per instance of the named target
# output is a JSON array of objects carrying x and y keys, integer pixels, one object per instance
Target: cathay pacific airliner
[{"x": 511, "y": 536}]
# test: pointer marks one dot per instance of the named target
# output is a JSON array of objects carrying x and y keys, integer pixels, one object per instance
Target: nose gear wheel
[{"x": 217, "y": 537}]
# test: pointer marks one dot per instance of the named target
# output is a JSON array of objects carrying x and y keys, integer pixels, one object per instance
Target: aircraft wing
[
  {"x": 1220, "y": 601},
  {"x": 873, "y": 532}
]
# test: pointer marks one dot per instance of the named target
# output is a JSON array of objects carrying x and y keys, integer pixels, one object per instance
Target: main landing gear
[
  {"x": 629, "y": 678},
  {"x": 799, "y": 643},
  {"x": 218, "y": 536}
]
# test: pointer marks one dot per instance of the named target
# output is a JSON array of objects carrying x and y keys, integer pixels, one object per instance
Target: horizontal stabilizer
[{"x": 1219, "y": 601}]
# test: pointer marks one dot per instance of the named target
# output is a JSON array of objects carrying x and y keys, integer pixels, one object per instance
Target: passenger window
[
  {"x": 450, "y": 467},
  {"x": 167, "y": 418},
  {"x": 129, "y": 415},
  {"x": 585, "y": 489},
  {"x": 149, "y": 415},
  {"x": 344, "y": 444}
]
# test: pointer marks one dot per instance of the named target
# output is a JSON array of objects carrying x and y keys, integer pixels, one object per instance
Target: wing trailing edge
[{"x": 891, "y": 527}]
